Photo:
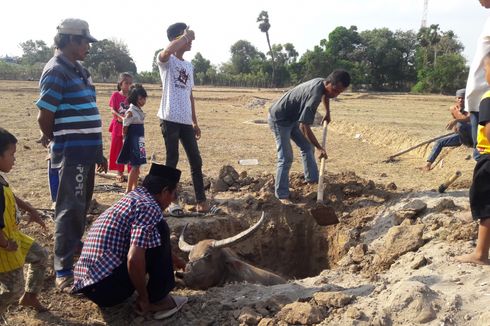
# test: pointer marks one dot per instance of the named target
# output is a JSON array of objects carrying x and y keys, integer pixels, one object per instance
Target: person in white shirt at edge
[
  {"x": 177, "y": 113},
  {"x": 476, "y": 84}
]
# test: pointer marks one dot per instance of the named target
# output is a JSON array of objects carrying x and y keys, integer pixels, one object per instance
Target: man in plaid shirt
[{"x": 129, "y": 241}]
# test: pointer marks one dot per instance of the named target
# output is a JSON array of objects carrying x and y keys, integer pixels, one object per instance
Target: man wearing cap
[
  {"x": 129, "y": 241},
  {"x": 178, "y": 120},
  {"x": 69, "y": 119},
  {"x": 460, "y": 124}
]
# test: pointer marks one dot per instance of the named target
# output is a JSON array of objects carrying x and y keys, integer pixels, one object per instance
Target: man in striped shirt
[{"x": 69, "y": 117}]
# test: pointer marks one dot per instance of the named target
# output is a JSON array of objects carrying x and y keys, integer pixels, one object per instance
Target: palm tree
[{"x": 264, "y": 28}]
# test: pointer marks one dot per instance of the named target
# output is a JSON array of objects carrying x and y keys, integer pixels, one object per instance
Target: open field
[
  {"x": 367, "y": 128},
  {"x": 386, "y": 124}
]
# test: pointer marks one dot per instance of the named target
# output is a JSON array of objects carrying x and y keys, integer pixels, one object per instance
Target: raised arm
[{"x": 176, "y": 45}]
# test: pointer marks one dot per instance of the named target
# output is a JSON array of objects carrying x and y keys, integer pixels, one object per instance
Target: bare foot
[
  {"x": 31, "y": 300},
  {"x": 425, "y": 168},
  {"x": 121, "y": 178},
  {"x": 202, "y": 207},
  {"x": 472, "y": 259}
]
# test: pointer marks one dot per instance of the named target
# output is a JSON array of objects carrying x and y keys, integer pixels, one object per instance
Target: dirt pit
[{"x": 290, "y": 243}]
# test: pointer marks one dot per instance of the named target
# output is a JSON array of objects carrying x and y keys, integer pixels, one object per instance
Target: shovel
[{"x": 323, "y": 214}]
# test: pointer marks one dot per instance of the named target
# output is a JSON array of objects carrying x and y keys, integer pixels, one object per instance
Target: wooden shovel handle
[{"x": 319, "y": 197}]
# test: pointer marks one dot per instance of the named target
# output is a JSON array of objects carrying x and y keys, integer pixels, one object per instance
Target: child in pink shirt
[{"x": 118, "y": 105}]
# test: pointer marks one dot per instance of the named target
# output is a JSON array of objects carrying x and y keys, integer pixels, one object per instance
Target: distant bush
[{"x": 14, "y": 71}]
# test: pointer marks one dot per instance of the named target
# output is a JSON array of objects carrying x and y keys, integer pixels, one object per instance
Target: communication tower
[{"x": 424, "y": 14}]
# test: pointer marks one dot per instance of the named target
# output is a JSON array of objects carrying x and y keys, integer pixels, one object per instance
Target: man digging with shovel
[{"x": 291, "y": 117}]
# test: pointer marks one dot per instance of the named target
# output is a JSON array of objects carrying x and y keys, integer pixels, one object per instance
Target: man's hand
[
  {"x": 322, "y": 153},
  {"x": 11, "y": 246},
  {"x": 34, "y": 216},
  {"x": 197, "y": 131},
  {"x": 326, "y": 118},
  {"x": 102, "y": 167},
  {"x": 44, "y": 140},
  {"x": 189, "y": 35},
  {"x": 451, "y": 124}
]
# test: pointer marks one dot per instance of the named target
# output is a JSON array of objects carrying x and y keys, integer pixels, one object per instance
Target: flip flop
[
  {"x": 175, "y": 210},
  {"x": 64, "y": 284},
  {"x": 179, "y": 303},
  {"x": 213, "y": 210}
]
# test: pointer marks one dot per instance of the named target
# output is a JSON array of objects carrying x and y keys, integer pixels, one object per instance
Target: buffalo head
[{"x": 211, "y": 263}]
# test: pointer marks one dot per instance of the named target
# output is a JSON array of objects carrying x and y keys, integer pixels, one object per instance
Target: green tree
[
  {"x": 314, "y": 63},
  {"x": 429, "y": 38},
  {"x": 384, "y": 59},
  {"x": 201, "y": 68},
  {"x": 200, "y": 63},
  {"x": 35, "y": 52},
  {"x": 154, "y": 65},
  {"x": 436, "y": 49},
  {"x": 109, "y": 58},
  {"x": 243, "y": 53},
  {"x": 264, "y": 27}
]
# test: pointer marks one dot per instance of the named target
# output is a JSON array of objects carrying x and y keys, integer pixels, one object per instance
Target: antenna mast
[{"x": 424, "y": 14}]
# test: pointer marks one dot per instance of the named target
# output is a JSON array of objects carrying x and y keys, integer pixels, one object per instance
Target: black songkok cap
[{"x": 165, "y": 172}]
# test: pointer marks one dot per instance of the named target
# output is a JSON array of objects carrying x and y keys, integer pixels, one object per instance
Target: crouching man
[{"x": 129, "y": 241}]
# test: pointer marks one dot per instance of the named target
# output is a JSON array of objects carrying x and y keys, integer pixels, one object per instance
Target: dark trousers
[
  {"x": 117, "y": 287},
  {"x": 75, "y": 189},
  {"x": 173, "y": 132}
]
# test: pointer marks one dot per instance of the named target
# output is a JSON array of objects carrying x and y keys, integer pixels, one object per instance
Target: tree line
[{"x": 429, "y": 60}]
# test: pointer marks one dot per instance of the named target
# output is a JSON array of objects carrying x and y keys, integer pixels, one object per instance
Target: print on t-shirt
[
  {"x": 182, "y": 78},
  {"x": 177, "y": 82}
]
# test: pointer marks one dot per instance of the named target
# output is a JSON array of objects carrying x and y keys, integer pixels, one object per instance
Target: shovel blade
[{"x": 324, "y": 215}]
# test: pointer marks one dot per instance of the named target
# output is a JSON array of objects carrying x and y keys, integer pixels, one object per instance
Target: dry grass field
[
  {"x": 367, "y": 128},
  {"x": 383, "y": 123}
]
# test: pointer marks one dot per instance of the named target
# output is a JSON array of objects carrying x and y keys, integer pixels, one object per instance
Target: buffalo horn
[
  {"x": 239, "y": 237},
  {"x": 184, "y": 246}
]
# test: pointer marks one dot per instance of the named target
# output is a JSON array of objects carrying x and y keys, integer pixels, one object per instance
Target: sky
[{"x": 142, "y": 24}]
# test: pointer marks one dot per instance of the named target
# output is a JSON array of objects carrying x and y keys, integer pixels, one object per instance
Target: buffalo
[{"x": 211, "y": 263}]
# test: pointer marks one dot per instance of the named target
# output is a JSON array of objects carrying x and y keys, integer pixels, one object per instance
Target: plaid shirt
[{"x": 130, "y": 221}]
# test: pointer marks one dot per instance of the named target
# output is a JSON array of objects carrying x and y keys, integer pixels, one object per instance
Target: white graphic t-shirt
[{"x": 177, "y": 82}]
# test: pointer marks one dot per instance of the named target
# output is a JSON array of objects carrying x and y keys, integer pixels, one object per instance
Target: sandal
[
  {"x": 175, "y": 210},
  {"x": 213, "y": 210},
  {"x": 64, "y": 283},
  {"x": 179, "y": 303}
]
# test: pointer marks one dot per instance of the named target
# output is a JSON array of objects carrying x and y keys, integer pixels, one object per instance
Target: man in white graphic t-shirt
[{"x": 177, "y": 112}]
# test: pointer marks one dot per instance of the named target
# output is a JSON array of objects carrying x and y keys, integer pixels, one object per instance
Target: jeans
[
  {"x": 54, "y": 181},
  {"x": 283, "y": 136},
  {"x": 448, "y": 141},
  {"x": 173, "y": 132},
  {"x": 474, "y": 118}
]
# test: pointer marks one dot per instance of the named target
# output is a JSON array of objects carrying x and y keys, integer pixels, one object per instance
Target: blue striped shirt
[{"x": 67, "y": 91}]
